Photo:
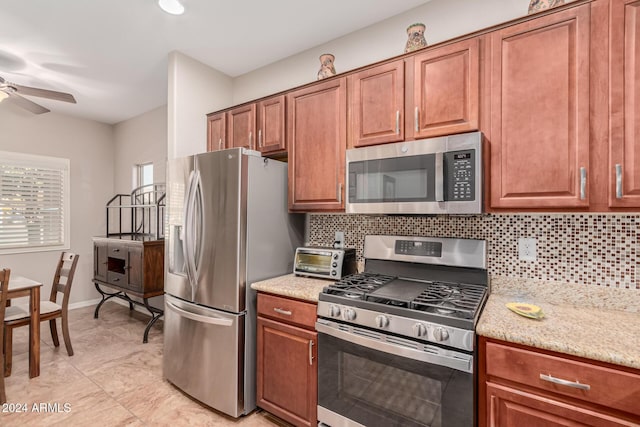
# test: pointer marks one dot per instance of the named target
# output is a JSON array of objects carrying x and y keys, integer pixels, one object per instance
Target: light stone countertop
[
  {"x": 290, "y": 285},
  {"x": 598, "y": 324}
]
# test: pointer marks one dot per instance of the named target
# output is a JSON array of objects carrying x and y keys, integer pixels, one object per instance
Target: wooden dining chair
[
  {"x": 49, "y": 310},
  {"x": 4, "y": 288}
]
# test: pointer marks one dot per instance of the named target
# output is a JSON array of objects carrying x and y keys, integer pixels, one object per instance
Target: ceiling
[{"x": 112, "y": 55}]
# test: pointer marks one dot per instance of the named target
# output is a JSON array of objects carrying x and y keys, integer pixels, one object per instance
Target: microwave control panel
[{"x": 460, "y": 171}]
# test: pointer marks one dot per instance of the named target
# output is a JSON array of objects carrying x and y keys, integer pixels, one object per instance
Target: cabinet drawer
[
  {"x": 288, "y": 310},
  {"x": 608, "y": 387},
  {"x": 117, "y": 279}
]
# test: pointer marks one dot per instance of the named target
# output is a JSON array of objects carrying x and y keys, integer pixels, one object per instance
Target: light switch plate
[{"x": 527, "y": 249}]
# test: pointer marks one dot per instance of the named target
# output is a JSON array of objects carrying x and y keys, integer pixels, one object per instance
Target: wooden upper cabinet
[
  {"x": 317, "y": 136},
  {"x": 445, "y": 94},
  {"x": 376, "y": 105},
  {"x": 216, "y": 131},
  {"x": 624, "y": 167},
  {"x": 272, "y": 131},
  {"x": 540, "y": 112},
  {"x": 242, "y": 124}
]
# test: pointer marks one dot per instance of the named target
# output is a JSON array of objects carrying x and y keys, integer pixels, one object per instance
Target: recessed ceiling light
[
  {"x": 3, "y": 95},
  {"x": 173, "y": 7}
]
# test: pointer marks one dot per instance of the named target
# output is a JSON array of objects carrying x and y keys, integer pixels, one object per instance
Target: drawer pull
[
  {"x": 574, "y": 384},
  {"x": 281, "y": 311},
  {"x": 116, "y": 250}
]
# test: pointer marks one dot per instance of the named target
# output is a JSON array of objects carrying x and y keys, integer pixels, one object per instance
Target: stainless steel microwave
[{"x": 430, "y": 176}]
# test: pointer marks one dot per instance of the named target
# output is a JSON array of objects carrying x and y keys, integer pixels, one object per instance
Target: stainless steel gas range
[{"x": 396, "y": 343}]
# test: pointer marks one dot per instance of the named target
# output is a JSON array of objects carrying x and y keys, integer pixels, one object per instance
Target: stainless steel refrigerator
[{"x": 227, "y": 226}]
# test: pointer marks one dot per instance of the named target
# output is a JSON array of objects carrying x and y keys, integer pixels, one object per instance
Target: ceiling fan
[{"x": 15, "y": 92}]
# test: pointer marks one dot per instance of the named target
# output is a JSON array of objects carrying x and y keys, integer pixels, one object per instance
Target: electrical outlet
[{"x": 527, "y": 249}]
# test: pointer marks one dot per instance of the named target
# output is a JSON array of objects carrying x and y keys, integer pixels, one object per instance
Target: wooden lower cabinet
[
  {"x": 522, "y": 386},
  {"x": 511, "y": 407},
  {"x": 287, "y": 372}
]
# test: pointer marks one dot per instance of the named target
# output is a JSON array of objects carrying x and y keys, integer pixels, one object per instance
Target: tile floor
[{"x": 113, "y": 379}]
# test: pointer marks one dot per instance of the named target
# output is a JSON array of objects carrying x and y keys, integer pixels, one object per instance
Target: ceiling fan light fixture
[
  {"x": 174, "y": 7},
  {"x": 3, "y": 95}
]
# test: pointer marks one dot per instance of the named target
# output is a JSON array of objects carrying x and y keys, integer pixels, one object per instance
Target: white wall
[
  {"x": 444, "y": 19},
  {"x": 89, "y": 146},
  {"x": 194, "y": 89},
  {"x": 142, "y": 139}
]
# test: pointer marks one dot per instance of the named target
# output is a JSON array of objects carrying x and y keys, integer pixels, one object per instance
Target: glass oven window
[
  {"x": 375, "y": 388},
  {"x": 313, "y": 262},
  {"x": 404, "y": 179}
]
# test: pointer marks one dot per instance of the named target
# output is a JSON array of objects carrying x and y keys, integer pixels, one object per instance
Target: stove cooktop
[{"x": 456, "y": 300}]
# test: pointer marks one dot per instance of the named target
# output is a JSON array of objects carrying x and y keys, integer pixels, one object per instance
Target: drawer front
[
  {"x": 117, "y": 279},
  {"x": 609, "y": 387},
  {"x": 288, "y": 310},
  {"x": 117, "y": 251}
]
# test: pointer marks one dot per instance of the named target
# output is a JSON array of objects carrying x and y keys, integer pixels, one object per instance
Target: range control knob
[
  {"x": 334, "y": 311},
  {"x": 349, "y": 314},
  {"x": 441, "y": 334},
  {"x": 382, "y": 321},
  {"x": 419, "y": 330}
]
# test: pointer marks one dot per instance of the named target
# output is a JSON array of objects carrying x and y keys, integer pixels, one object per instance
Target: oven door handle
[{"x": 463, "y": 362}]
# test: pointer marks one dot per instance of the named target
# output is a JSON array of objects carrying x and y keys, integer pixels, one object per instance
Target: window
[
  {"x": 34, "y": 203},
  {"x": 145, "y": 174}
]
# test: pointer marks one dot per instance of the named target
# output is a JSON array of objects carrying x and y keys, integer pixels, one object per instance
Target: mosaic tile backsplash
[{"x": 585, "y": 249}]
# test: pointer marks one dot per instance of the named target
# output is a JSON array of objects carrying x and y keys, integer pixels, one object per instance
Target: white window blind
[{"x": 34, "y": 203}]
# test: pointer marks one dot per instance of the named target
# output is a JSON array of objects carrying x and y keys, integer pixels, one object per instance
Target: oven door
[{"x": 366, "y": 378}]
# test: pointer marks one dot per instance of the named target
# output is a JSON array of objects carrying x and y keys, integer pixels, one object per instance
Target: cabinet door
[
  {"x": 446, "y": 90},
  {"x": 272, "y": 131},
  {"x": 287, "y": 372},
  {"x": 316, "y": 131},
  {"x": 216, "y": 131},
  {"x": 134, "y": 268},
  {"x": 242, "y": 123},
  {"x": 540, "y": 112},
  {"x": 376, "y": 105},
  {"x": 508, "y": 407},
  {"x": 624, "y": 168},
  {"x": 100, "y": 262}
]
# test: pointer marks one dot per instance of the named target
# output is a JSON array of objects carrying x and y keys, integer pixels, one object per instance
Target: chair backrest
[
  {"x": 63, "y": 278},
  {"x": 4, "y": 288}
]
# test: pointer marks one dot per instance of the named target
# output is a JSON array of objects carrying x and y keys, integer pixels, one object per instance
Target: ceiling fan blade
[
  {"x": 43, "y": 93},
  {"x": 27, "y": 105}
]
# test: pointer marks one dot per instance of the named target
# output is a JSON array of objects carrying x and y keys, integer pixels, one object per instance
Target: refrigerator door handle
[
  {"x": 200, "y": 318},
  {"x": 197, "y": 227},
  {"x": 186, "y": 215},
  {"x": 189, "y": 234}
]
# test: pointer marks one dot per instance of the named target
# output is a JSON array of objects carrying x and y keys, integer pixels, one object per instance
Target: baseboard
[{"x": 83, "y": 304}]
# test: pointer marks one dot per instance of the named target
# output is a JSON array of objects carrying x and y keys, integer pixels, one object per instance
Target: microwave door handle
[{"x": 439, "y": 178}]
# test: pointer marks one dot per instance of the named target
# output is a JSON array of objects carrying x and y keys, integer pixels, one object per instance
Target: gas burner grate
[
  {"x": 357, "y": 286},
  {"x": 458, "y": 300}
]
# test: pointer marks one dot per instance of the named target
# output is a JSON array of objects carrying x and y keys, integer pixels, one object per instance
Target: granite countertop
[
  {"x": 290, "y": 285},
  {"x": 599, "y": 324}
]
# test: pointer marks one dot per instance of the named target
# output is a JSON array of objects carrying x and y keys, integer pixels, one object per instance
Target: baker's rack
[{"x": 138, "y": 213}]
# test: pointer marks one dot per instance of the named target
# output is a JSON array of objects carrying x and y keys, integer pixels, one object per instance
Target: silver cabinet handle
[
  {"x": 220, "y": 144},
  {"x": 573, "y": 384},
  {"x": 583, "y": 183},
  {"x": 260, "y": 138},
  {"x": 282, "y": 311},
  {"x": 397, "y": 122},
  {"x": 618, "y": 181},
  {"x": 311, "y": 352},
  {"x": 340, "y": 193},
  {"x": 250, "y": 138},
  {"x": 416, "y": 119}
]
